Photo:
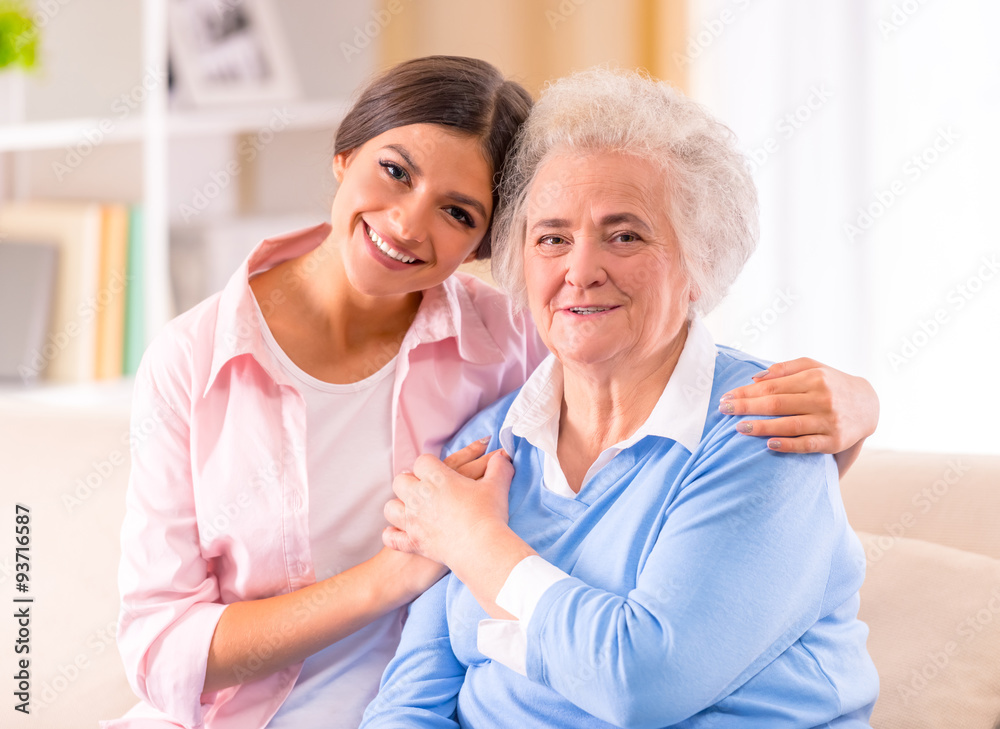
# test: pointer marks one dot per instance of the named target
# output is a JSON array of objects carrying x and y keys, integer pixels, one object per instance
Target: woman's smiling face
[
  {"x": 413, "y": 204},
  {"x": 605, "y": 279}
]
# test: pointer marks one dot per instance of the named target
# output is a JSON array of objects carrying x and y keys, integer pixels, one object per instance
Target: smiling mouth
[
  {"x": 590, "y": 309},
  {"x": 388, "y": 249}
]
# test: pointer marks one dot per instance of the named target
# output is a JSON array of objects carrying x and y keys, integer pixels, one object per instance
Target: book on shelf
[
  {"x": 135, "y": 309},
  {"x": 27, "y": 282},
  {"x": 69, "y": 353},
  {"x": 90, "y": 333},
  {"x": 111, "y": 292}
]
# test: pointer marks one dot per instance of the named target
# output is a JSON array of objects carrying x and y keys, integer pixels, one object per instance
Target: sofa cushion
[
  {"x": 947, "y": 499},
  {"x": 934, "y": 616}
]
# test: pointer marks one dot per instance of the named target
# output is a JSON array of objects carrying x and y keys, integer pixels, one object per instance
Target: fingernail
[
  {"x": 485, "y": 440},
  {"x": 774, "y": 444},
  {"x": 760, "y": 374},
  {"x": 745, "y": 427},
  {"x": 727, "y": 396},
  {"x": 728, "y": 408}
]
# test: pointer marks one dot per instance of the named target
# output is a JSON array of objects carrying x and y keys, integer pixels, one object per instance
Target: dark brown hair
[{"x": 466, "y": 94}]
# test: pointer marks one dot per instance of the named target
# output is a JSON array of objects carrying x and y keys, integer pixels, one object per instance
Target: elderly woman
[{"x": 656, "y": 568}]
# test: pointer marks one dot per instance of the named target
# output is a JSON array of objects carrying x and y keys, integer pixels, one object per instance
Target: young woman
[{"x": 269, "y": 421}]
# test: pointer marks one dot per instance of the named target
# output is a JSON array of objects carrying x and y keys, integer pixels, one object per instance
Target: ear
[
  {"x": 694, "y": 293},
  {"x": 340, "y": 164}
]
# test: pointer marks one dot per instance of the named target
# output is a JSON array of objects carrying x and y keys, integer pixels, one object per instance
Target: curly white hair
[{"x": 712, "y": 200}]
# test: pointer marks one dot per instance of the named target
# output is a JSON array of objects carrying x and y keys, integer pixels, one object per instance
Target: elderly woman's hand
[
  {"x": 822, "y": 409},
  {"x": 442, "y": 504}
]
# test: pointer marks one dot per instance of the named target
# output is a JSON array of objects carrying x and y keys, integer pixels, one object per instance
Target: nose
[
  {"x": 584, "y": 265},
  {"x": 411, "y": 219}
]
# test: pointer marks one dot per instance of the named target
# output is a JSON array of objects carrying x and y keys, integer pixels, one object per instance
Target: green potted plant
[
  {"x": 18, "y": 36},
  {"x": 18, "y": 53}
]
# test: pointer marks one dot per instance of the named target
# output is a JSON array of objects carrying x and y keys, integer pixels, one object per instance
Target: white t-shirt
[{"x": 348, "y": 457}]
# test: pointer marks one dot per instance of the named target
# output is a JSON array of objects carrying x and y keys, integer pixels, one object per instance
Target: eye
[
  {"x": 460, "y": 215},
  {"x": 393, "y": 170},
  {"x": 552, "y": 245},
  {"x": 626, "y": 238}
]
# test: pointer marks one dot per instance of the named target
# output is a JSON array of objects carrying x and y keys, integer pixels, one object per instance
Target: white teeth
[
  {"x": 588, "y": 309},
  {"x": 387, "y": 249}
]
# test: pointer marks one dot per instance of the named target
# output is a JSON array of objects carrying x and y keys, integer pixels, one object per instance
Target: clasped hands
[{"x": 442, "y": 506}]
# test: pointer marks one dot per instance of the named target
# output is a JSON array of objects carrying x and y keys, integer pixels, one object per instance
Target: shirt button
[{"x": 294, "y": 502}]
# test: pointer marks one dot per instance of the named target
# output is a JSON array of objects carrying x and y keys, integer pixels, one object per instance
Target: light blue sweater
[{"x": 710, "y": 589}]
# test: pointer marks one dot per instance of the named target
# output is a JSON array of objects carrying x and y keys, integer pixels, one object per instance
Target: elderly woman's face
[{"x": 603, "y": 270}]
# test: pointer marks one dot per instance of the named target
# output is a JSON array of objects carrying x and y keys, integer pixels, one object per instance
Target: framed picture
[{"x": 229, "y": 51}]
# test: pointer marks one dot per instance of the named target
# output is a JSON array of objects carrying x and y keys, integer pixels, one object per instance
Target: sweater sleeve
[
  {"x": 170, "y": 599},
  {"x": 736, "y": 574},
  {"x": 420, "y": 685}
]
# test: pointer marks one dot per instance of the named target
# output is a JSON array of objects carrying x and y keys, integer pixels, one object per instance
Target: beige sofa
[
  {"x": 932, "y": 597},
  {"x": 931, "y": 529},
  {"x": 70, "y": 467}
]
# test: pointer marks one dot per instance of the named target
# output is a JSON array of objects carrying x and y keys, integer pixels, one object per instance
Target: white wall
[{"x": 876, "y": 203}]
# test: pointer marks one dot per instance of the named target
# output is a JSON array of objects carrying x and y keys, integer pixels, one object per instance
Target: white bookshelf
[
  {"x": 24, "y": 137},
  {"x": 155, "y": 155}
]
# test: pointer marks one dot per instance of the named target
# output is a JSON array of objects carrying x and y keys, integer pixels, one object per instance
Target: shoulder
[
  {"x": 722, "y": 442},
  {"x": 505, "y": 323},
  {"x": 487, "y": 422},
  {"x": 734, "y": 368}
]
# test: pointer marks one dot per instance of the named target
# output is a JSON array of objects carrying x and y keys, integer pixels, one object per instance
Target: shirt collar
[
  {"x": 448, "y": 311},
  {"x": 679, "y": 413},
  {"x": 445, "y": 311}
]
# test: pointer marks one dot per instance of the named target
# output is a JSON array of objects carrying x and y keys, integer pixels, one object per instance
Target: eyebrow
[
  {"x": 401, "y": 151},
  {"x": 456, "y": 196},
  {"x": 606, "y": 222}
]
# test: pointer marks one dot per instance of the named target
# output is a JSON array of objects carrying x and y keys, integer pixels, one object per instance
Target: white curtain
[{"x": 874, "y": 129}]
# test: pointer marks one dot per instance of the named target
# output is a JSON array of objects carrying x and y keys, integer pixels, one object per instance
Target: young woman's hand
[
  {"x": 416, "y": 571},
  {"x": 455, "y": 512},
  {"x": 441, "y": 503},
  {"x": 820, "y": 409}
]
